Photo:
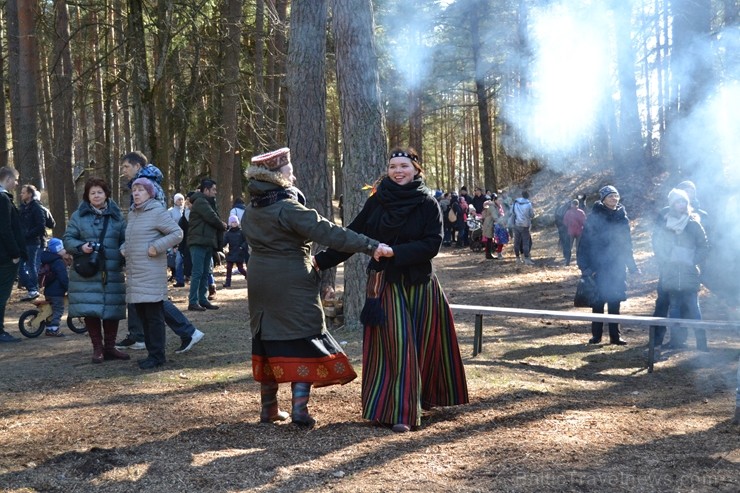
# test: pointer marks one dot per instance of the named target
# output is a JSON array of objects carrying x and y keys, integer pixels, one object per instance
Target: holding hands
[{"x": 383, "y": 250}]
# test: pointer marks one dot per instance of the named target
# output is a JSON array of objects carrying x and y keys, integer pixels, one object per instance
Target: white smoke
[{"x": 569, "y": 79}]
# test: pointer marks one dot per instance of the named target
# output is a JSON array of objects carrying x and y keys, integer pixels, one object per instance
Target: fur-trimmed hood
[{"x": 260, "y": 173}]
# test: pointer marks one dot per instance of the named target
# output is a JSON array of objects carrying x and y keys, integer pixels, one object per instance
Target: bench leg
[
  {"x": 651, "y": 348},
  {"x": 478, "y": 335}
]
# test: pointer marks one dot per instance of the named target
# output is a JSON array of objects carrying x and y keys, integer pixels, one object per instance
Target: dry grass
[{"x": 548, "y": 413}]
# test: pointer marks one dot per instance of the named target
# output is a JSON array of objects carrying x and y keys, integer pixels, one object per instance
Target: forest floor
[{"x": 547, "y": 412}]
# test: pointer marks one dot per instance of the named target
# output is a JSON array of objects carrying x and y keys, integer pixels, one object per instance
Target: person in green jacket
[
  {"x": 204, "y": 230},
  {"x": 290, "y": 342}
]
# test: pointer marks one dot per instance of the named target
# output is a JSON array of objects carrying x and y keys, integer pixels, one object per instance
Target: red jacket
[{"x": 574, "y": 220}]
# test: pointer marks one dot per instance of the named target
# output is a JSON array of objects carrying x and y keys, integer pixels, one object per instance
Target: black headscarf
[{"x": 398, "y": 201}]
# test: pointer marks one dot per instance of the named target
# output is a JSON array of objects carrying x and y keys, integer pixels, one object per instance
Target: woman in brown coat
[{"x": 290, "y": 342}]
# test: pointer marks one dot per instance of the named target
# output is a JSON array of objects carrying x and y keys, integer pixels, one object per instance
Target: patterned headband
[{"x": 405, "y": 154}]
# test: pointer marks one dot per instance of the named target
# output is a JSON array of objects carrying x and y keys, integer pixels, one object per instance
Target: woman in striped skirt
[{"x": 411, "y": 359}]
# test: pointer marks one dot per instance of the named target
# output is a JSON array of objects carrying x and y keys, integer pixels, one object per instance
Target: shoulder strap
[{"x": 105, "y": 228}]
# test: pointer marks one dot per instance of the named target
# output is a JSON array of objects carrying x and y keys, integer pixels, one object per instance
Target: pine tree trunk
[
  {"x": 306, "y": 117},
  {"x": 363, "y": 127},
  {"x": 259, "y": 78},
  {"x": 230, "y": 104},
  {"x": 62, "y": 108},
  {"x": 489, "y": 173},
  {"x": 3, "y": 115},
  {"x": 144, "y": 139},
  {"x": 22, "y": 84},
  {"x": 628, "y": 147}
]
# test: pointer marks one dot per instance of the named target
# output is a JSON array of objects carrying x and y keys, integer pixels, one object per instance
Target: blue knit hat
[
  {"x": 606, "y": 191},
  {"x": 55, "y": 245}
]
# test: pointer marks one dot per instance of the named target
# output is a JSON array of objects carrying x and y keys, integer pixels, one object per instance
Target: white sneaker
[
  {"x": 137, "y": 345},
  {"x": 528, "y": 261},
  {"x": 519, "y": 260},
  {"x": 187, "y": 344}
]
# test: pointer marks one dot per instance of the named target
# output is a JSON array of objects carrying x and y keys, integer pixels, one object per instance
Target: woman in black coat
[
  {"x": 605, "y": 254},
  {"x": 458, "y": 226}
]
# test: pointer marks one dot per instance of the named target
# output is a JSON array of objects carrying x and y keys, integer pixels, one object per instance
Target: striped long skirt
[{"x": 412, "y": 362}]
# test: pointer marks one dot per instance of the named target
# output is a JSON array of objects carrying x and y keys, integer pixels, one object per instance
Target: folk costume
[
  {"x": 411, "y": 359},
  {"x": 290, "y": 342}
]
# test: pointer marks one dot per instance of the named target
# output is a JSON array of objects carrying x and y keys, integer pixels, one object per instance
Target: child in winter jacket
[
  {"x": 238, "y": 249},
  {"x": 56, "y": 283}
]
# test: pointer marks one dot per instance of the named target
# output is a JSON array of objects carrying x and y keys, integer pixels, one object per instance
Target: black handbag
[
  {"x": 586, "y": 293},
  {"x": 89, "y": 264},
  {"x": 372, "y": 312}
]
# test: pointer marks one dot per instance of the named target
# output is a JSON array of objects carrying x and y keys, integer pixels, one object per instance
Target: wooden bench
[{"x": 650, "y": 322}]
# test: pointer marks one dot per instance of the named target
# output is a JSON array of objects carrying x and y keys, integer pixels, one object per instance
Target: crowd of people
[{"x": 411, "y": 358}]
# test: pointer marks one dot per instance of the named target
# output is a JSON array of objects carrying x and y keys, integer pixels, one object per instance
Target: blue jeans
[
  {"x": 202, "y": 257},
  {"x": 28, "y": 271},
  {"x": 179, "y": 269},
  {"x": 57, "y": 310},
  {"x": 8, "y": 273},
  {"x": 173, "y": 317}
]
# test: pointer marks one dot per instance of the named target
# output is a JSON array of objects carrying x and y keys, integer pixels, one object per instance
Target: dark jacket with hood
[
  {"x": 33, "y": 220},
  {"x": 12, "y": 242},
  {"x": 205, "y": 227},
  {"x": 238, "y": 247},
  {"x": 457, "y": 209},
  {"x": 284, "y": 300},
  {"x": 59, "y": 283},
  {"x": 104, "y": 294},
  {"x": 605, "y": 251}
]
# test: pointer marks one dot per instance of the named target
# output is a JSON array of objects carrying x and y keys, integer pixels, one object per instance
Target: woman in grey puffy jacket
[
  {"x": 149, "y": 233},
  {"x": 100, "y": 299}
]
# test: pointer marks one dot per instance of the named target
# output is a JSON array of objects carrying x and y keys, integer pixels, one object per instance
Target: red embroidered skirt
[{"x": 318, "y": 360}]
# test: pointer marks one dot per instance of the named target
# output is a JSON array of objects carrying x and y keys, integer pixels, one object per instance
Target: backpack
[
  {"x": 46, "y": 275},
  {"x": 49, "y": 221},
  {"x": 451, "y": 216}
]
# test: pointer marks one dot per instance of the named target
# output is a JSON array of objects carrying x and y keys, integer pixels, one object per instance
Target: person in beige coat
[{"x": 149, "y": 233}]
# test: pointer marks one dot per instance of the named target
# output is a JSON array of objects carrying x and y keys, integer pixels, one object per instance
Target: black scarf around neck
[
  {"x": 398, "y": 201},
  {"x": 275, "y": 196}
]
